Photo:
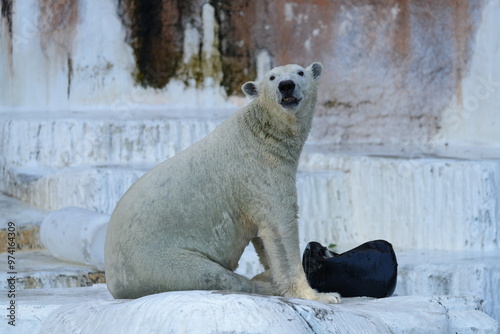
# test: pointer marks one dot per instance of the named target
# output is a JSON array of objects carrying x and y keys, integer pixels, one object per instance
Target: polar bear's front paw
[
  {"x": 328, "y": 298},
  {"x": 311, "y": 294}
]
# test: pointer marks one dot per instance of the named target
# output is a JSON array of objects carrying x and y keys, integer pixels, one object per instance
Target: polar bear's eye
[
  {"x": 301, "y": 73},
  {"x": 272, "y": 77}
]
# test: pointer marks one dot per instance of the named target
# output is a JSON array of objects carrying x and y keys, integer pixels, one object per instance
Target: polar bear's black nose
[{"x": 286, "y": 87}]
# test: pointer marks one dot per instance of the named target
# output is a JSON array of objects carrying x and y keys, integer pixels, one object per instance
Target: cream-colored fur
[{"x": 185, "y": 224}]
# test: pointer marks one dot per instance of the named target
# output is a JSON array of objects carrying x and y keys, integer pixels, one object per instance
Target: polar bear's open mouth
[{"x": 290, "y": 102}]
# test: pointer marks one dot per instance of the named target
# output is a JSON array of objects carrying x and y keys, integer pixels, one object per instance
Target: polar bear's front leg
[
  {"x": 259, "y": 249},
  {"x": 281, "y": 246}
]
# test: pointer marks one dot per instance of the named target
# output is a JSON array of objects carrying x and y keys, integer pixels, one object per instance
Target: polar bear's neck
[{"x": 277, "y": 130}]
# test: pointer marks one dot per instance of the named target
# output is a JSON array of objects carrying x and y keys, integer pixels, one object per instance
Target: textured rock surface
[
  {"x": 94, "y": 310},
  {"x": 451, "y": 273},
  {"x": 27, "y": 220},
  {"x": 215, "y": 312},
  {"x": 35, "y": 305},
  {"x": 39, "y": 270}
]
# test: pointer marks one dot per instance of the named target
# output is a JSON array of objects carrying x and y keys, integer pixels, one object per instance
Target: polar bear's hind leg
[{"x": 180, "y": 270}]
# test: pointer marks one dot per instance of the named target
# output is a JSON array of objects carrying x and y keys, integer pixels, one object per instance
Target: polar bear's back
[{"x": 189, "y": 202}]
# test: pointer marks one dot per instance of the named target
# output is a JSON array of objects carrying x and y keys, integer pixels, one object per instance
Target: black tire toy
[{"x": 368, "y": 270}]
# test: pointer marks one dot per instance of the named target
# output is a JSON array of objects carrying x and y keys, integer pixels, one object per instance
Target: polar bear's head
[{"x": 289, "y": 86}]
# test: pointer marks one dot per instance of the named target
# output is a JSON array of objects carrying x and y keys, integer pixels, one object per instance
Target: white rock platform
[{"x": 93, "y": 310}]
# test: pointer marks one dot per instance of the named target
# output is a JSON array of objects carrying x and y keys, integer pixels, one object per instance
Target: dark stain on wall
[
  {"x": 57, "y": 21},
  {"x": 7, "y": 14},
  {"x": 155, "y": 32},
  {"x": 236, "y": 20},
  {"x": 397, "y": 59},
  {"x": 70, "y": 74}
]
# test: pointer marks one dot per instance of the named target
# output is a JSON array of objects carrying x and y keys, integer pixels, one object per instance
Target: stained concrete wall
[{"x": 396, "y": 72}]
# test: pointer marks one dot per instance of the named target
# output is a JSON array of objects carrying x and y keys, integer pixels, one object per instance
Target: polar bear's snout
[
  {"x": 288, "y": 96},
  {"x": 286, "y": 87}
]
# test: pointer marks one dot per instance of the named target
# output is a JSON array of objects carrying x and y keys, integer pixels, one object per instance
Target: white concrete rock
[
  {"x": 218, "y": 312},
  {"x": 423, "y": 272},
  {"x": 93, "y": 310},
  {"x": 35, "y": 305},
  {"x": 76, "y": 235},
  {"x": 377, "y": 96}
]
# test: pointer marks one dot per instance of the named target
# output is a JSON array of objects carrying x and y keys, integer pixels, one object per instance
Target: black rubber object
[{"x": 368, "y": 270}]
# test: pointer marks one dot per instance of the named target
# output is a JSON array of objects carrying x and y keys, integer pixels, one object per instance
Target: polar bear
[{"x": 184, "y": 224}]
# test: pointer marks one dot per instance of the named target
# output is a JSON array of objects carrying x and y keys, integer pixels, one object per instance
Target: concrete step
[
  {"x": 415, "y": 203},
  {"x": 424, "y": 203},
  {"x": 40, "y": 270},
  {"x": 21, "y": 219},
  {"x": 93, "y": 310},
  {"x": 148, "y": 136},
  {"x": 414, "y": 200},
  {"x": 99, "y": 189},
  {"x": 100, "y": 137},
  {"x": 95, "y": 188},
  {"x": 451, "y": 273}
]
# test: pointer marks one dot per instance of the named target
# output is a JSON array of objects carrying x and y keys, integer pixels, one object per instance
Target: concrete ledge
[
  {"x": 35, "y": 305},
  {"x": 413, "y": 203},
  {"x": 99, "y": 188},
  {"x": 423, "y": 272},
  {"x": 73, "y": 138},
  {"x": 94, "y": 188},
  {"x": 421, "y": 203},
  {"x": 27, "y": 220},
  {"x": 92, "y": 310},
  {"x": 40, "y": 270}
]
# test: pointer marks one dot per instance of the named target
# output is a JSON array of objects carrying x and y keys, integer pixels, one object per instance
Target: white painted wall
[
  {"x": 36, "y": 75},
  {"x": 473, "y": 116}
]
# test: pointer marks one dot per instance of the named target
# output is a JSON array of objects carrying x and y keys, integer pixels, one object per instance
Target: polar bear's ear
[
  {"x": 316, "y": 70},
  {"x": 250, "y": 89}
]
